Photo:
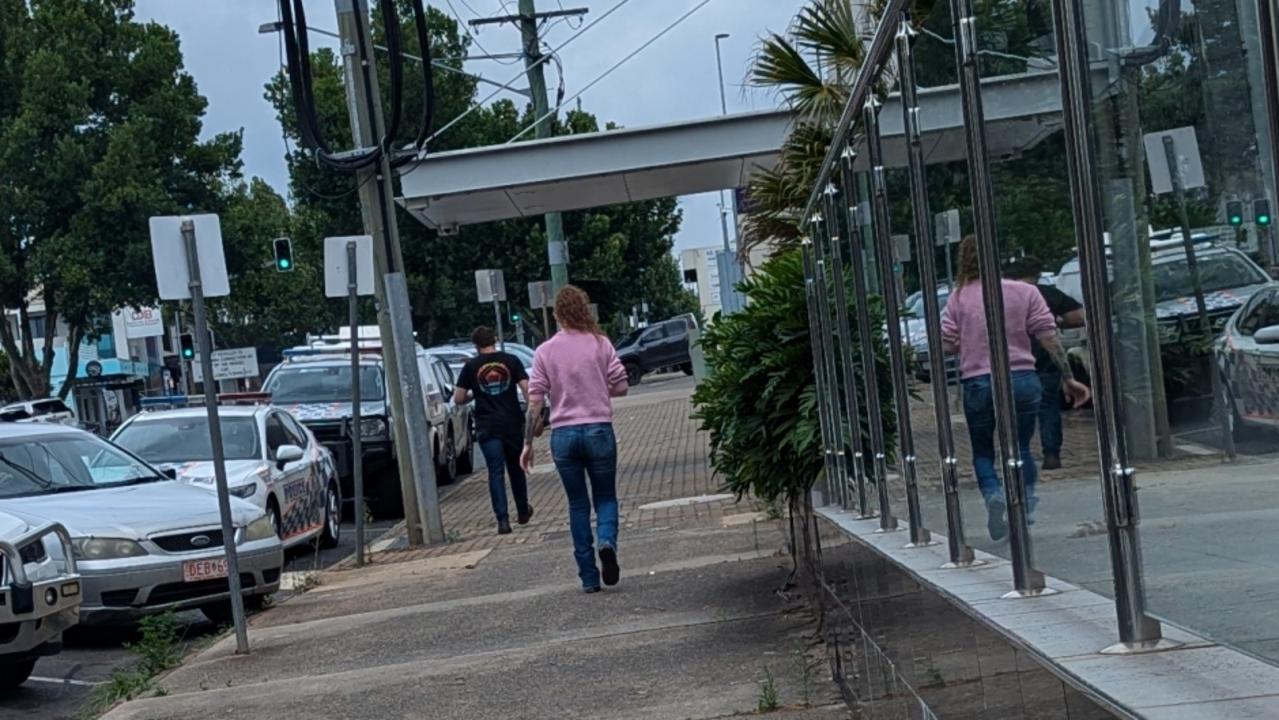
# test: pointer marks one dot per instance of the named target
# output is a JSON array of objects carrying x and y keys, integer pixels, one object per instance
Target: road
[{"x": 62, "y": 684}]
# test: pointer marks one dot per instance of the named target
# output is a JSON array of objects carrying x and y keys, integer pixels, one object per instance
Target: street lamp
[
  {"x": 719, "y": 63},
  {"x": 725, "y": 286}
]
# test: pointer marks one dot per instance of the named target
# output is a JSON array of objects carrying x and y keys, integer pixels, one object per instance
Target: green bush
[{"x": 759, "y": 401}]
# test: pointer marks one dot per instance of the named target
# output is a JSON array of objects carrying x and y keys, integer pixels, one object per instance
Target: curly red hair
[{"x": 573, "y": 310}]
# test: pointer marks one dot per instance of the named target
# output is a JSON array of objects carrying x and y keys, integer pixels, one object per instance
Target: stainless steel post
[
  {"x": 1027, "y": 581},
  {"x": 821, "y": 267},
  {"x": 215, "y": 436},
  {"x": 870, "y": 371},
  {"x": 855, "y": 454},
  {"x": 961, "y": 555},
  {"x": 357, "y": 439},
  {"x": 1137, "y": 630},
  {"x": 814, "y": 337},
  {"x": 919, "y": 535}
]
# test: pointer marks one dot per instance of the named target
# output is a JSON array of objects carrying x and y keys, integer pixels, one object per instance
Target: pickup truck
[{"x": 39, "y": 594}]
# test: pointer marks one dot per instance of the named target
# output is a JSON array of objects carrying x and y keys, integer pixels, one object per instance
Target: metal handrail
[{"x": 17, "y": 571}]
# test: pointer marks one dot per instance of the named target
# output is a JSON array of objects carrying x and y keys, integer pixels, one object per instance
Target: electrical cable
[
  {"x": 615, "y": 66},
  {"x": 465, "y": 29}
]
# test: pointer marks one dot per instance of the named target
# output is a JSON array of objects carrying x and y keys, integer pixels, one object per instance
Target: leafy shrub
[{"x": 759, "y": 401}]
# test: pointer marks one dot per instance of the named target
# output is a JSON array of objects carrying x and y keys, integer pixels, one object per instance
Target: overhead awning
[{"x": 501, "y": 182}]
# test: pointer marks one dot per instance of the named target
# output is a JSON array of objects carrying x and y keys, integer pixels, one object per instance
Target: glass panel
[{"x": 1177, "y": 70}]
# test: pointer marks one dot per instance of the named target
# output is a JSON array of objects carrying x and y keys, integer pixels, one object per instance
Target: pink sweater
[
  {"x": 580, "y": 372},
  {"x": 963, "y": 323}
]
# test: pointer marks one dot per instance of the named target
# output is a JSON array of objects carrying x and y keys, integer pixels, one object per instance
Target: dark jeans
[
  {"x": 502, "y": 455},
  {"x": 979, "y": 410},
  {"x": 1050, "y": 412},
  {"x": 582, "y": 452}
]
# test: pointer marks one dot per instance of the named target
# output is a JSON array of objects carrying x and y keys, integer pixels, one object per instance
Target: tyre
[
  {"x": 633, "y": 374},
  {"x": 273, "y": 509},
  {"x": 388, "y": 503},
  {"x": 686, "y": 368},
  {"x": 331, "y": 533},
  {"x": 466, "y": 458},
  {"x": 14, "y": 673},
  {"x": 446, "y": 469}
]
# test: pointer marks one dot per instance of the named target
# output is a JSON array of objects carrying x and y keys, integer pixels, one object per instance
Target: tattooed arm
[{"x": 1076, "y": 392}]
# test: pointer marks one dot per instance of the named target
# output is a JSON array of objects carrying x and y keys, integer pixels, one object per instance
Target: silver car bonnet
[
  {"x": 200, "y": 472},
  {"x": 132, "y": 512}
]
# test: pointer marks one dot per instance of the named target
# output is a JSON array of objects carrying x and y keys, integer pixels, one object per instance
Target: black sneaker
[
  {"x": 503, "y": 527},
  {"x": 525, "y": 515},
  {"x": 996, "y": 523},
  {"x": 592, "y": 589},
  {"x": 608, "y": 565},
  {"x": 1052, "y": 461}
]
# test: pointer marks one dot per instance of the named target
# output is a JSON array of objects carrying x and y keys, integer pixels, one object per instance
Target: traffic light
[
  {"x": 515, "y": 317},
  {"x": 1261, "y": 212},
  {"x": 187, "y": 342},
  {"x": 283, "y": 254},
  {"x": 1234, "y": 212}
]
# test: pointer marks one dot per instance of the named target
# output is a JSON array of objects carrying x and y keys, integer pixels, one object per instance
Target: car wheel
[
  {"x": 446, "y": 470},
  {"x": 273, "y": 508},
  {"x": 633, "y": 374},
  {"x": 388, "y": 503},
  {"x": 686, "y": 368},
  {"x": 466, "y": 459},
  {"x": 13, "y": 674},
  {"x": 331, "y": 533}
]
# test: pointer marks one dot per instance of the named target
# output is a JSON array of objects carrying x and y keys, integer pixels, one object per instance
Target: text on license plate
[{"x": 210, "y": 569}]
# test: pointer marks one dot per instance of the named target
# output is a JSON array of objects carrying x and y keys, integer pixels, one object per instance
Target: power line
[
  {"x": 544, "y": 58},
  {"x": 617, "y": 65},
  {"x": 462, "y": 24}
]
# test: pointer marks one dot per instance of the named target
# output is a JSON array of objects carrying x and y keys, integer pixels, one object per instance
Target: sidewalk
[{"x": 489, "y": 626}]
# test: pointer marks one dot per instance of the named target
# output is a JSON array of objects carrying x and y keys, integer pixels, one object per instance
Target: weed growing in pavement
[
  {"x": 306, "y": 581},
  {"x": 805, "y": 673},
  {"x": 156, "y": 650},
  {"x": 453, "y": 536},
  {"x": 768, "y": 697}
]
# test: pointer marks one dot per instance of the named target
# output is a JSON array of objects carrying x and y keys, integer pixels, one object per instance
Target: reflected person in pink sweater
[{"x": 579, "y": 370}]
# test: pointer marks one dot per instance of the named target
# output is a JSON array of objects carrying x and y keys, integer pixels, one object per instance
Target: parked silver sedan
[
  {"x": 1247, "y": 356},
  {"x": 143, "y": 542}
]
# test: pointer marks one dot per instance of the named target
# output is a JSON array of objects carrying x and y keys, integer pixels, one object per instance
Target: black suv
[{"x": 657, "y": 347}]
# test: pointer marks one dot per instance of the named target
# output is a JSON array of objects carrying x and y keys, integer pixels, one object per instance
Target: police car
[{"x": 272, "y": 460}]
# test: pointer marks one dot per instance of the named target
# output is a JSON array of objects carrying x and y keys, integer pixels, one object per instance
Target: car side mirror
[
  {"x": 287, "y": 454},
  {"x": 171, "y": 473},
  {"x": 1267, "y": 335}
]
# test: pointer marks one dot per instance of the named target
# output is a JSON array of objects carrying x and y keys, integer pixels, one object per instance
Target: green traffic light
[
  {"x": 285, "y": 264},
  {"x": 1263, "y": 219}
]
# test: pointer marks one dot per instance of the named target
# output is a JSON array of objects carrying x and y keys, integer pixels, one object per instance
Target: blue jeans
[
  {"x": 1050, "y": 412},
  {"x": 502, "y": 454},
  {"x": 979, "y": 410},
  {"x": 581, "y": 452}
]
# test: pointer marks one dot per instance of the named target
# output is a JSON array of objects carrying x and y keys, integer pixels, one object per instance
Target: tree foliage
[{"x": 99, "y": 130}]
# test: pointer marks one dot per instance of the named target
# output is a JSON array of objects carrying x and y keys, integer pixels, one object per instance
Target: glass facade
[{"x": 1059, "y": 215}]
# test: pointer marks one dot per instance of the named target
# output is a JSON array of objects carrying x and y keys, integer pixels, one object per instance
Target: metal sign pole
[
  {"x": 215, "y": 436},
  {"x": 357, "y": 439},
  {"x": 497, "y": 310}
]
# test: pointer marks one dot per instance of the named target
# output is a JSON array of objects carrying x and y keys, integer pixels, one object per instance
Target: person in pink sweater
[
  {"x": 963, "y": 330},
  {"x": 579, "y": 370}
]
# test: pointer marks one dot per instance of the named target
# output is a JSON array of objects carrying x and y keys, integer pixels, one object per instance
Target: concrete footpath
[{"x": 496, "y": 627}]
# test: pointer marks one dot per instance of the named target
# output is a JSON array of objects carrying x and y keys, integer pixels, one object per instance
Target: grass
[
  {"x": 453, "y": 536},
  {"x": 769, "y": 699},
  {"x": 156, "y": 651}
]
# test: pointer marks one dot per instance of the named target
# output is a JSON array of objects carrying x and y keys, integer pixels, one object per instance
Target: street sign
[
  {"x": 336, "y": 272},
  {"x": 540, "y": 295},
  {"x": 1188, "y": 160},
  {"x": 490, "y": 286},
  {"x": 946, "y": 227},
  {"x": 142, "y": 322},
  {"x": 901, "y": 248},
  {"x": 168, "y": 254},
  {"x": 230, "y": 365}
]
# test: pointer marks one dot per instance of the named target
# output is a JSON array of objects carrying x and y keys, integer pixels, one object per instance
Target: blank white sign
[
  {"x": 168, "y": 253},
  {"x": 336, "y": 272}
]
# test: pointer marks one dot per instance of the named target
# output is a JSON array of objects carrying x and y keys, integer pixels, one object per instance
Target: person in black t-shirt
[
  {"x": 491, "y": 378},
  {"x": 1069, "y": 314}
]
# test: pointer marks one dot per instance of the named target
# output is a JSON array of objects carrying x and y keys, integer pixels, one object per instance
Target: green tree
[{"x": 99, "y": 128}]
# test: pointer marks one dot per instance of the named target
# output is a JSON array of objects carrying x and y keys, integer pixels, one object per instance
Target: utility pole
[
  {"x": 399, "y": 348},
  {"x": 528, "y": 18}
]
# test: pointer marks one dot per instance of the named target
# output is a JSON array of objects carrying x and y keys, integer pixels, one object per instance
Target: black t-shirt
[
  {"x": 1059, "y": 303},
  {"x": 494, "y": 379}
]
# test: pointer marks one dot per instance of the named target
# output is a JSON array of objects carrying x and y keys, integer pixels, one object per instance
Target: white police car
[{"x": 272, "y": 460}]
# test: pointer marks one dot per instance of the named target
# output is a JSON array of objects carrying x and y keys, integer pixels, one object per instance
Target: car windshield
[
  {"x": 187, "y": 439},
  {"x": 631, "y": 339},
  {"x": 323, "y": 384},
  {"x": 1216, "y": 272},
  {"x": 50, "y": 464},
  {"x": 915, "y": 303}
]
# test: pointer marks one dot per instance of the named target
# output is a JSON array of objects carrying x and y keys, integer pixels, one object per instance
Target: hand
[
  {"x": 539, "y": 427},
  {"x": 526, "y": 458},
  {"x": 1077, "y": 393}
]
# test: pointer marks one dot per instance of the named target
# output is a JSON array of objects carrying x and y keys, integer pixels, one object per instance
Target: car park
[
  {"x": 1247, "y": 356},
  {"x": 39, "y": 594},
  {"x": 314, "y": 385},
  {"x": 660, "y": 346},
  {"x": 143, "y": 543},
  {"x": 272, "y": 460}
]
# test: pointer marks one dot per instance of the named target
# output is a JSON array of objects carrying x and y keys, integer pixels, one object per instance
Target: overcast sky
[{"x": 673, "y": 79}]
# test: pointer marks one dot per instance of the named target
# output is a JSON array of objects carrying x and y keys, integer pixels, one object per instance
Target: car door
[
  {"x": 290, "y": 480},
  {"x": 436, "y": 408},
  {"x": 651, "y": 350},
  {"x": 445, "y": 382},
  {"x": 675, "y": 343},
  {"x": 1253, "y": 371}
]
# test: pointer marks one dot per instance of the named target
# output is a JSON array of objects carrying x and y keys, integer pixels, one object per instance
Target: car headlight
[
  {"x": 372, "y": 427},
  {"x": 88, "y": 548},
  {"x": 243, "y": 491},
  {"x": 260, "y": 529}
]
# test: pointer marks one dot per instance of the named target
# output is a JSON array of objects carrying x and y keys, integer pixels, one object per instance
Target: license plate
[{"x": 197, "y": 570}]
